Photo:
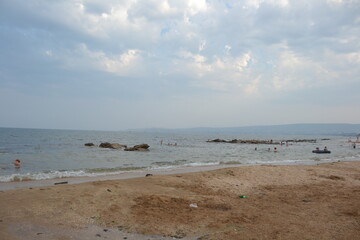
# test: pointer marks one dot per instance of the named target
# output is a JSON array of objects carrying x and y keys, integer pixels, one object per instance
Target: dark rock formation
[
  {"x": 252, "y": 141},
  {"x": 301, "y": 140},
  {"x": 217, "y": 140},
  {"x": 141, "y": 148},
  {"x": 112, "y": 145},
  {"x": 89, "y": 144}
]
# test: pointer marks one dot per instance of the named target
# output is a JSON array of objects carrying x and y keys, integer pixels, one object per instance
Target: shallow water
[{"x": 47, "y": 154}]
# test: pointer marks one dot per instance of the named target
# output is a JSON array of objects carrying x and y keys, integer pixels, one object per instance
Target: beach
[{"x": 250, "y": 202}]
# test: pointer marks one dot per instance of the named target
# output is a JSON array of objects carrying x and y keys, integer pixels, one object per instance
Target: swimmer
[{"x": 17, "y": 163}]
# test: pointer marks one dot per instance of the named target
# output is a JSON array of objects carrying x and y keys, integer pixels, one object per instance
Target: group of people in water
[
  {"x": 269, "y": 149},
  {"x": 275, "y": 149},
  {"x": 169, "y": 144}
]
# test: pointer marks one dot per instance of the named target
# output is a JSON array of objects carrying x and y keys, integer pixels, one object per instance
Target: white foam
[
  {"x": 199, "y": 164},
  {"x": 52, "y": 175}
]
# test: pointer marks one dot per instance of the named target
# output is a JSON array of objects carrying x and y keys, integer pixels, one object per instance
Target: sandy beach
[{"x": 281, "y": 202}]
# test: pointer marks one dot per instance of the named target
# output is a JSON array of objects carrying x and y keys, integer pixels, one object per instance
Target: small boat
[{"x": 321, "y": 151}]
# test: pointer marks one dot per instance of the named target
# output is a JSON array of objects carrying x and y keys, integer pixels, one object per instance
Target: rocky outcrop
[
  {"x": 141, "y": 148},
  {"x": 303, "y": 140},
  {"x": 217, "y": 140},
  {"x": 112, "y": 145},
  {"x": 252, "y": 141}
]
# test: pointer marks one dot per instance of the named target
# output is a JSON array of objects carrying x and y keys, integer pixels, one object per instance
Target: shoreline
[
  {"x": 142, "y": 173},
  {"x": 318, "y": 201}
]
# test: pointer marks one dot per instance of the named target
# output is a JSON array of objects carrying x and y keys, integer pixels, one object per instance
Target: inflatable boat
[{"x": 321, "y": 151}]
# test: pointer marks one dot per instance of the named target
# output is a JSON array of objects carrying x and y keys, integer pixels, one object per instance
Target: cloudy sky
[{"x": 113, "y": 65}]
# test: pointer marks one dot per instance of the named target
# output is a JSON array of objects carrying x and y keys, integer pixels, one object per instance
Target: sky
[{"x": 115, "y": 65}]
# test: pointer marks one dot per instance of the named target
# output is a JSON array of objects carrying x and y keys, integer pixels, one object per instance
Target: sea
[{"x": 53, "y": 154}]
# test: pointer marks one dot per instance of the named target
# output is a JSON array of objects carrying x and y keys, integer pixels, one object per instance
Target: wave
[
  {"x": 58, "y": 174},
  {"x": 17, "y": 177}
]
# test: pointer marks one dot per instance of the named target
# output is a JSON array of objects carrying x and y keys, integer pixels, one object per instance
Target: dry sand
[{"x": 283, "y": 202}]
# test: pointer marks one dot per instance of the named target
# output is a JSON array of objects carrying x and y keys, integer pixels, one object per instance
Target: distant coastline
[{"x": 332, "y": 129}]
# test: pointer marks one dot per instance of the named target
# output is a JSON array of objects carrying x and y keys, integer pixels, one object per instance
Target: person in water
[{"x": 17, "y": 163}]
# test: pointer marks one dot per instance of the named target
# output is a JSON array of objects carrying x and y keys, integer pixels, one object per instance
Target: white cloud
[
  {"x": 124, "y": 64},
  {"x": 257, "y": 3},
  {"x": 202, "y": 45},
  {"x": 293, "y": 71},
  {"x": 227, "y": 49},
  {"x": 225, "y": 73},
  {"x": 196, "y": 6},
  {"x": 127, "y": 63},
  {"x": 342, "y": 67},
  {"x": 241, "y": 62},
  {"x": 337, "y": 1}
]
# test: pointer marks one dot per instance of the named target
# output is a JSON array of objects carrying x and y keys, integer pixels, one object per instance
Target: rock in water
[
  {"x": 112, "y": 145},
  {"x": 141, "y": 148}
]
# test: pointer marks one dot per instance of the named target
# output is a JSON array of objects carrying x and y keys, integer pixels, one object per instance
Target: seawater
[{"x": 47, "y": 154}]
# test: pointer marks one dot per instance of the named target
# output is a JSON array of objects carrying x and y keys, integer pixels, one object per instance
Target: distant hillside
[{"x": 288, "y": 129}]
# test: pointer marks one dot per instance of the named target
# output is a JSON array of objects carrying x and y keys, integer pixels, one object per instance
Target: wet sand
[{"x": 282, "y": 202}]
